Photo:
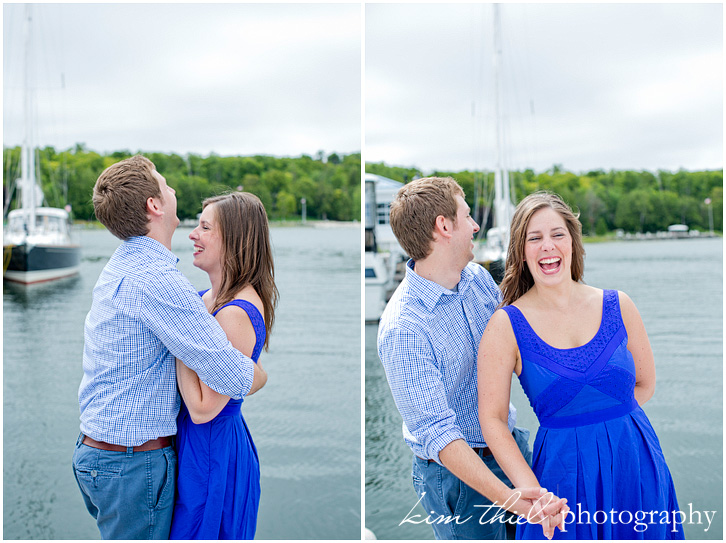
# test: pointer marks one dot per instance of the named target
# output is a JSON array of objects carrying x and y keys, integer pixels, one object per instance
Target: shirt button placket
[{"x": 467, "y": 315}]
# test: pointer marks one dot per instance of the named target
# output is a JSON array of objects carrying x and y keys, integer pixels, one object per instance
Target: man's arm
[
  {"x": 465, "y": 464},
  {"x": 175, "y": 313}
]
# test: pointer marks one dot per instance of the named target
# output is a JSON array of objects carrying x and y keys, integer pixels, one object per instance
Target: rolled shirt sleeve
[{"x": 418, "y": 390}]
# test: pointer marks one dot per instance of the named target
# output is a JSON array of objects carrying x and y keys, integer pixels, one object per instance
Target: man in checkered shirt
[
  {"x": 428, "y": 338},
  {"x": 144, "y": 315}
]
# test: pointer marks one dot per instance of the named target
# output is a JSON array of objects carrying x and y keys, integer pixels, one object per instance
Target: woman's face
[
  {"x": 548, "y": 247},
  {"x": 207, "y": 238}
]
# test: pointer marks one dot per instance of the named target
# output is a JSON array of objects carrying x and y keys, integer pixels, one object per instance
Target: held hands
[{"x": 538, "y": 506}]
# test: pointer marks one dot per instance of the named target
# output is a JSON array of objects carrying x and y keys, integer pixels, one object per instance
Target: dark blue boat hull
[{"x": 33, "y": 264}]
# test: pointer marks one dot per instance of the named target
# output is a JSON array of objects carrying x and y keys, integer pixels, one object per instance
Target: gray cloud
[
  {"x": 280, "y": 79},
  {"x": 586, "y": 85}
]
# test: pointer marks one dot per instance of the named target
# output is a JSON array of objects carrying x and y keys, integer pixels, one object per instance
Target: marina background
[
  {"x": 677, "y": 286},
  {"x": 625, "y": 86},
  {"x": 305, "y": 422}
]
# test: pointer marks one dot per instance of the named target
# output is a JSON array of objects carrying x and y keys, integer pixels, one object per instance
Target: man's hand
[{"x": 539, "y": 507}]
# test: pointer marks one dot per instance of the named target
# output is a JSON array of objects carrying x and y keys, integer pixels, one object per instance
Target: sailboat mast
[
  {"x": 501, "y": 182},
  {"x": 27, "y": 162}
]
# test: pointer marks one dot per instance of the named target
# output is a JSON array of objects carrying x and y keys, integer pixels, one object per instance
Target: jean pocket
[
  {"x": 165, "y": 492},
  {"x": 416, "y": 476},
  {"x": 93, "y": 475}
]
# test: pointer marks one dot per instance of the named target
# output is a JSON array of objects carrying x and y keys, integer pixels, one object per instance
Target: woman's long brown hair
[{"x": 246, "y": 252}]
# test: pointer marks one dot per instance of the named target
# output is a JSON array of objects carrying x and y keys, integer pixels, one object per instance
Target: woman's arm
[
  {"x": 202, "y": 402},
  {"x": 498, "y": 355},
  {"x": 639, "y": 347},
  {"x": 498, "y": 359}
]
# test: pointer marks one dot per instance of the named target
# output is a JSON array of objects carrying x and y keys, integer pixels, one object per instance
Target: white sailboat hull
[{"x": 39, "y": 276}]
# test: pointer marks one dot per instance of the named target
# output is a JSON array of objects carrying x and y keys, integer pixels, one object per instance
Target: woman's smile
[{"x": 550, "y": 265}]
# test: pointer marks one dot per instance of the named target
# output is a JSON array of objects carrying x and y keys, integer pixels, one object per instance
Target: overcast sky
[
  {"x": 234, "y": 79},
  {"x": 586, "y": 86}
]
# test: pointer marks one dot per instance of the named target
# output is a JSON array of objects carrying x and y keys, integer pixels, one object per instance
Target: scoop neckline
[{"x": 602, "y": 323}]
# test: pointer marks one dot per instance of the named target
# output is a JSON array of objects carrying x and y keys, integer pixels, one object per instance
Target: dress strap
[
  {"x": 522, "y": 330},
  {"x": 258, "y": 323}
]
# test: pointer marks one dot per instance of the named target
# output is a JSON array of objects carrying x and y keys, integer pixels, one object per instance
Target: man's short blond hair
[
  {"x": 120, "y": 195},
  {"x": 414, "y": 212}
]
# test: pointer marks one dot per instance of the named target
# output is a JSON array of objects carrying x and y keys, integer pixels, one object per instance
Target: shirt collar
[
  {"x": 430, "y": 292},
  {"x": 147, "y": 244}
]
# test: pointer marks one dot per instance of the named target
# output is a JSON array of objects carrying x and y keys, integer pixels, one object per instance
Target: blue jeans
[
  {"x": 130, "y": 494},
  {"x": 446, "y": 498}
]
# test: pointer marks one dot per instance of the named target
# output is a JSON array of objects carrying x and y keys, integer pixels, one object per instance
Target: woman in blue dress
[
  {"x": 583, "y": 358},
  {"x": 218, "y": 486}
]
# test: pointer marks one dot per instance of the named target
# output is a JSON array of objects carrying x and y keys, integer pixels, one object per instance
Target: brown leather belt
[
  {"x": 481, "y": 451},
  {"x": 153, "y": 445}
]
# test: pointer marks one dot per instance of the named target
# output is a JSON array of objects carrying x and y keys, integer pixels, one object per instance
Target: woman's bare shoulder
[
  {"x": 499, "y": 326},
  {"x": 249, "y": 294}
]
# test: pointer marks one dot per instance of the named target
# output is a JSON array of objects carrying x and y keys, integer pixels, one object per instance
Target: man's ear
[
  {"x": 442, "y": 227},
  {"x": 153, "y": 207}
]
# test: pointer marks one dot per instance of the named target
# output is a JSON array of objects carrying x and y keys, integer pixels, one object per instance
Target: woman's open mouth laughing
[{"x": 550, "y": 265}]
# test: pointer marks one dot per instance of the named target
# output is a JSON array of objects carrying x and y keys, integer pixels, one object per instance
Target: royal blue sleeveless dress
[
  {"x": 595, "y": 445},
  {"x": 218, "y": 486}
]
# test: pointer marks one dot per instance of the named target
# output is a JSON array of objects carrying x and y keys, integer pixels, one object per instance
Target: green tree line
[
  {"x": 634, "y": 201},
  {"x": 330, "y": 185}
]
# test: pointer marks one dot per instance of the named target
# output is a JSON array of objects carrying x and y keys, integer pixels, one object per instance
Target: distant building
[{"x": 386, "y": 190}]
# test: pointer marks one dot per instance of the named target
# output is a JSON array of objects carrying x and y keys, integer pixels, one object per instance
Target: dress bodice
[{"x": 582, "y": 385}]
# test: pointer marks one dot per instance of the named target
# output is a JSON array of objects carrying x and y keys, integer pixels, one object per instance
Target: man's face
[
  {"x": 463, "y": 232},
  {"x": 168, "y": 205}
]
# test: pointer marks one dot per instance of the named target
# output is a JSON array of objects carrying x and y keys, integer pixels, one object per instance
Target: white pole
[
  {"x": 502, "y": 197},
  {"x": 499, "y": 217},
  {"x": 27, "y": 150},
  {"x": 708, "y": 202}
]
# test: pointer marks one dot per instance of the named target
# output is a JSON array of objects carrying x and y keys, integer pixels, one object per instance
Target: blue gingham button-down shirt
[
  {"x": 144, "y": 314},
  {"x": 428, "y": 338}
]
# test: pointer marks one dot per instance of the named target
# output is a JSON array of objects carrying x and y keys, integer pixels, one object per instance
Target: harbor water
[
  {"x": 677, "y": 286},
  {"x": 305, "y": 422}
]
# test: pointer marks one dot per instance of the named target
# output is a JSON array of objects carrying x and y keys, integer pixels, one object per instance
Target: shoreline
[
  {"x": 309, "y": 223},
  {"x": 319, "y": 223}
]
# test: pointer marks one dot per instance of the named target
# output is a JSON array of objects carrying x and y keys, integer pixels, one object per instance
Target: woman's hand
[{"x": 538, "y": 506}]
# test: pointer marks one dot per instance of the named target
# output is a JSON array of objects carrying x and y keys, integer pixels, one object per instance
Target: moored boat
[
  {"x": 41, "y": 253},
  {"x": 37, "y": 244}
]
